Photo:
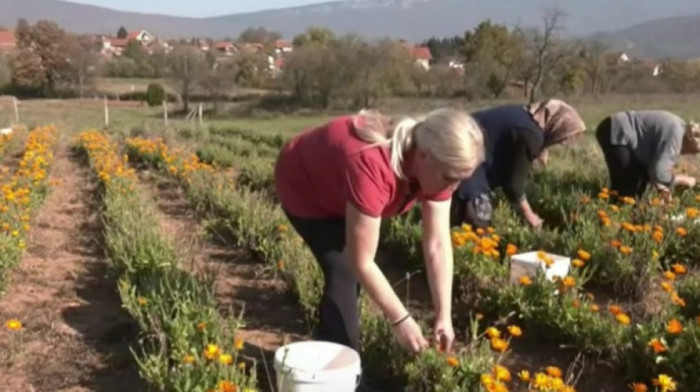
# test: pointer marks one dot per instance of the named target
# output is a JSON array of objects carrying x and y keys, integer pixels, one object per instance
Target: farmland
[{"x": 140, "y": 256}]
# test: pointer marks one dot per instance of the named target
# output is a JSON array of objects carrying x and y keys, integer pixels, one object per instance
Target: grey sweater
[{"x": 655, "y": 137}]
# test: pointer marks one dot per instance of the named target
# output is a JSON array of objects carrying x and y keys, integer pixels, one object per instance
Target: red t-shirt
[{"x": 323, "y": 168}]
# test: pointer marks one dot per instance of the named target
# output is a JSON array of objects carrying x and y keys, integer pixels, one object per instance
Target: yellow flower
[
  {"x": 665, "y": 382},
  {"x": 493, "y": 332},
  {"x": 211, "y": 352},
  {"x": 525, "y": 280},
  {"x": 13, "y": 325},
  {"x": 515, "y": 331},
  {"x": 524, "y": 376},
  {"x": 225, "y": 359},
  {"x": 623, "y": 319},
  {"x": 501, "y": 373},
  {"x": 188, "y": 359},
  {"x": 679, "y": 269},
  {"x": 499, "y": 345}
]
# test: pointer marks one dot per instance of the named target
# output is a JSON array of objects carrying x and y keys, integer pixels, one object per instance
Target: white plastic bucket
[{"x": 316, "y": 366}]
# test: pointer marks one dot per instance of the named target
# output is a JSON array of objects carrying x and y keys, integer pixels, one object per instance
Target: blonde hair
[
  {"x": 452, "y": 137},
  {"x": 691, "y": 137}
]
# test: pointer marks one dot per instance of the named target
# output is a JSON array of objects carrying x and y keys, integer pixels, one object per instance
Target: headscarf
[{"x": 558, "y": 120}]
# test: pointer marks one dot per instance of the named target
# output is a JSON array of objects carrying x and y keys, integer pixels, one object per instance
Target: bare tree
[
  {"x": 82, "y": 61},
  {"x": 540, "y": 45},
  {"x": 593, "y": 54},
  {"x": 187, "y": 66}
]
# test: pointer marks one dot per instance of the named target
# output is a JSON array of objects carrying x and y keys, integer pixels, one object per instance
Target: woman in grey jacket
[{"x": 642, "y": 147}]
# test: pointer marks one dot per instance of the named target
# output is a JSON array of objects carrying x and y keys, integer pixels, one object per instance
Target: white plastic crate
[{"x": 528, "y": 263}]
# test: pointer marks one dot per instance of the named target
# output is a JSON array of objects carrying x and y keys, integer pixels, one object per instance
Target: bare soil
[
  {"x": 271, "y": 314},
  {"x": 75, "y": 336}
]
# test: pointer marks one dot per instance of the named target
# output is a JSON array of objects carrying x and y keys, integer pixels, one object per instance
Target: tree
[
  {"x": 158, "y": 61},
  {"x": 48, "y": 42},
  {"x": 217, "y": 81},
  {"x": 259, "y": 35},
  {"x": 491, "y": 54},
  {"x": 5, "y": 72},
  {"x": 82, "y": 62},
  {"x": 155, "y": 94},
  {"x": 28, "y": 73},
  {"x": 134, "y": 50},
  {"x": 540, "y": 45},
  {"x": 314, "y": 36},
  {"x": 122, "y": 33},
  {"x": 187, "y": 66},
  {"x": 445, "y": 48},
  {"x": 593, "y": 55}
]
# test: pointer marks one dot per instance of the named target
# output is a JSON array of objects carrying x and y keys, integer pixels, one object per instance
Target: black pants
[
  {"x": 628, "y": 176},
  {"x": 338, "y": 309},
  {"x": 475, "y": 211}
]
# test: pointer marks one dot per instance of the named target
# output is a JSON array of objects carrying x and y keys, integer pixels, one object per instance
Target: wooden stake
[
  {"x": 106, "y": 113},
  {"x": 16, "y": 112},
  {"x": 165, "y": 112}
]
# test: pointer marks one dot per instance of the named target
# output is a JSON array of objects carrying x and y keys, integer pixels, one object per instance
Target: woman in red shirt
[{"x": 337, "y": 181}]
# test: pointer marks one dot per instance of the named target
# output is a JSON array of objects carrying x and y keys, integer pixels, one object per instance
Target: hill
[
  {"x": 413, "y": 20},
  {"x": 668, "y": 37}
]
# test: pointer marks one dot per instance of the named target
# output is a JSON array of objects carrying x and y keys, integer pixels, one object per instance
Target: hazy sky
[{"x": 196, "y": 8}]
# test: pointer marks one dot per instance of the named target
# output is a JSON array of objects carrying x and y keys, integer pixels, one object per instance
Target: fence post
[
  {"x": 16, "y": 111},
  {"x": 200, "y": 114},
  {"x": 165, "y": 112},
  {"x": 106, "y": 113}
]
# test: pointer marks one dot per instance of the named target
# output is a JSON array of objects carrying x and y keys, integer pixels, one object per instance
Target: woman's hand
[
  {"x": 410, "y": 336},
  {"x": 444, "y": 334}
]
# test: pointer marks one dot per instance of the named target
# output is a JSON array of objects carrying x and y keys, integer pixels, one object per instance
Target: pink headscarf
[{"x": 558, "y": 120}]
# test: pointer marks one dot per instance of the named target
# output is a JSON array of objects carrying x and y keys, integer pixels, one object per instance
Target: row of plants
[
  {"x": 642, "y": 252},
  {"x": 21, "y": 193},
  {"x": 185, "y": 345},
  {"x": 259, "y": 225}
]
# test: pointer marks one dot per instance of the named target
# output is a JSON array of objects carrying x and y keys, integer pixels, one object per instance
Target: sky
[{"x": 196, "y": 8}]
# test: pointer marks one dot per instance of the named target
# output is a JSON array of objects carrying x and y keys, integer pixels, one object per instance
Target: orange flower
[
  {"x": 554, "y": 371},
  {"x": 493, "y": 332},
  {"x": 515, "y": 331},
  {"x": 452, "y": 361},
  {"x": 525, "y": 280},
  {"x": 657, "y": 345},
  {"x": 669, "y": 275},
  {"x": 657, "y": 236},
  {"x": 616, "y": 243},
  {"x": 677, "y": 299},
  {"x": 667, "y": 287},
  {"x": 625, "y": 250},
  {"x": 499, "y": 345},
  {"x": 238, "y": 344},
  {"x": 569, "y": 282},
  {"x": 227, "y": 386},
  {"x": 674, "y": 327},
  {"x": 583, "y": 255},
  {"x": 501, "y": 373},
  {"x": 594, "y": 308},
  {"x": 638, "y": 387},
  {"x": 679, "y": 269},
  {"x": 578, "y": 263},
  {"x": 511, "y": 249},
  {"x": 682, "y": 232},
  {"x": 614, "y": 309}
]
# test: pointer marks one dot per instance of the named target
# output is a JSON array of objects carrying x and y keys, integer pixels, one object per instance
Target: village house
[
  {"x": 7, "y": 41},
  {"x": 115, "y": 46},
  {"x": 422, "y": 56}
]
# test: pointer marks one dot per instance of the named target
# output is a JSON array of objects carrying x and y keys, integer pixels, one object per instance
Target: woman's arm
[
  {"x": 437, "y": 251},
  {"x": 361, "y": 240}
]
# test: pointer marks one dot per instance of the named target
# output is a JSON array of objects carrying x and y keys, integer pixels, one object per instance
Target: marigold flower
[
  {"x": 515, "y": 331},
  {"x": 501, "y": 373},
  {"x": 554, "y": 371},
  {"x": 525, "y": 280},
  {"x": 13, "y": 325},
  {"x": 493, "y": 332},
  {"x": 511, "y": 249},
  {"x": 625, "y": 250},
  {"x": 682, "y": 232},
  {"x": 665, "y": 382},
  {"x": 583, "y": 255},
  {"x": 669, "y": 275},
  {"x": 676, "y": 299},
  {"x": 614, "y": 309},
  {"x": 674, "y": 327},
  {"x": 569, "y": 282},
  {"x": 452, "y": 361},
  {"x": 524, "y": 376},
  {"x": 666, "y": 286},
  {"x": 188, "y": 359},
  {"x": 211, "y": 351},
  {"x": 623, "y": 319},
  {"x": 657, "y": 345},
  {"x": 499, "y": 345},
  {"x": 638, "y": 387},
  {"x": 578, "y": 263},
  {"x": 238, "y": 344},
  {"x": 679, "y": 269},
  {"x": 227, "y": 386},
  {"x": 225, "y": 359}
]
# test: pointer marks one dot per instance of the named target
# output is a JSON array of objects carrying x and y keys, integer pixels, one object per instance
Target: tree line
[{"x": 325, "y": 70}]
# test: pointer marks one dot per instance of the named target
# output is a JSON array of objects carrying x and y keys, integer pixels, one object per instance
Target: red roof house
[{"x": 7, "y": 40}]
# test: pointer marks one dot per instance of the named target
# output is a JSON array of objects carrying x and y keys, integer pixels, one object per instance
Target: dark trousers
[
  {"x": 338, "y": 309},
  {"x": 472, "y": 211},
  {"x": 628, "y": 176}
]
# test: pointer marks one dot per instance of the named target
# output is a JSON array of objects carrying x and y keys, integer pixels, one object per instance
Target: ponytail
[{"x": 377, "y": 130}]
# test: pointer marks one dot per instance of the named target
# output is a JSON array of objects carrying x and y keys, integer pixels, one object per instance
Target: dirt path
[
  {"x": 271, "y": 314},
  {"x": 75, "y": 335}
]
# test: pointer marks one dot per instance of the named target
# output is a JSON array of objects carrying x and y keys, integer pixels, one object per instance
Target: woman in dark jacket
[
  {"x": 642, "y": 147},
  {"x": 515, "y": 136}
]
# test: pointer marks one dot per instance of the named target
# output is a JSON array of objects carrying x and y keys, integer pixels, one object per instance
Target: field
[{"x": 141, "y": 256}]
